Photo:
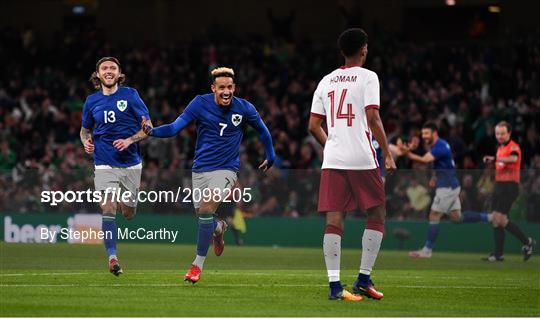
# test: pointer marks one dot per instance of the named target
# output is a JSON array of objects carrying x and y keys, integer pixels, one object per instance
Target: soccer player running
[
  {"x": 221, "y": 118},
  {"x": 506, "y": 190},
  {"x": 111, "y": 130},
  {"x": 348, "y": 99},
  {"x": 447, "y": 190}
]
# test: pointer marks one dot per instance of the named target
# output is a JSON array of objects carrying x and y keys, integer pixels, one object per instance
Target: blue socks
[
  {"x": 108, "y": 226},
  {"x": 207, "y": 225},
  {"x": 363, "y": 280},
  {"x": 433, "y": 232},
  {"x": 335, "y": 288},
  {"x": 474, "y": 217}
]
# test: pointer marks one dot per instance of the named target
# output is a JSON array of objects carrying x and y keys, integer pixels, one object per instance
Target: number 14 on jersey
[{"x": 349, "y": 116}]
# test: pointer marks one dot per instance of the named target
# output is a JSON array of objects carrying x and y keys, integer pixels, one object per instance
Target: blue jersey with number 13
[{"x": 112, "y": 117}]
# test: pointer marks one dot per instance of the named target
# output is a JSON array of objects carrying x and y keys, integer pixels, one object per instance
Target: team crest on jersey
[
  {"x": 236, "y": 119},
  {"x": 121, "y": 105}
]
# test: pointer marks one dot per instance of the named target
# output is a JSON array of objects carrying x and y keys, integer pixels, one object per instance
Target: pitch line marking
[
  {"x": 253, "y": 285},
  {"x": 47, "y": 274},
  {"x": 221, "y": 272}
]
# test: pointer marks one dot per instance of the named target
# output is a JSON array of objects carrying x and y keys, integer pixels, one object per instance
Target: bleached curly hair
[{"x": 222, "y": 72}]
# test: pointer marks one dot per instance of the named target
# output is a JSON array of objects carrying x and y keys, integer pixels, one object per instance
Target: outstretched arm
[
  {"x": 426, "y": 159},
  {"x": 407, "y": 148},
  {"x": 508, "y": 159},
  {"x": 171, "y": 129},
  {"x": 122, "y": 144},
  {"x": 266, "y": 139}
]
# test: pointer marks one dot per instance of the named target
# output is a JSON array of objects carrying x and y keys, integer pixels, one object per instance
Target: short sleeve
[
  {"x": 438, "y": 151},
  {"x": 515, "y": 150},
  {"x": 317, "y": 106},
  {"x": 371, "y": 92},
  {"x": 140, "y": 108},
  {"x": 87, "y": 116}
]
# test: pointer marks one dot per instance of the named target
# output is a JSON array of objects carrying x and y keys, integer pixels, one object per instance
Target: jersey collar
[
  {"x": 343, "y": 67},
  {"x": 506, "y": 143}
]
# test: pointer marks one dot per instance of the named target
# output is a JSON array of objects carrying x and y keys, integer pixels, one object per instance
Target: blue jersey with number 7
[
  {"x": 112, "y": 117},
  {"x": 219, "y": 132}
]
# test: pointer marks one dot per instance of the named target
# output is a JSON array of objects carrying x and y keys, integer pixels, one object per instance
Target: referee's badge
[
  {"x": 121, "y": 105},
  {"x": 236, "y": 119}
]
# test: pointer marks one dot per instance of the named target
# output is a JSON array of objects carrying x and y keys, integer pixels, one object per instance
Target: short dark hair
[
  {"x": 505, "y": 124},
  {"x": 351, "y": 41},
  {"x": 94, "y": 78},
  {"x": 432, "y": 126}
]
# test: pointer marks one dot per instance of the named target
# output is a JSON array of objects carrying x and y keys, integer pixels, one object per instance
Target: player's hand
[
  {"x": 489, "y": 159},
  {"x": 89, "y": 146},
  {"x": 146, "y": 126},
  {"x": 122, "y": 144},
  {"x": 414, "y": 143},
  {"x": 389, "y": 164},
  {"x": 404, "y": 148},
  {"x": 432, "y": 182},
  {"x": 266, "y": 165}
]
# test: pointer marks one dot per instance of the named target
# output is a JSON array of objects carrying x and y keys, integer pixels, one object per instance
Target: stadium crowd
[{"x": 466, "y": 88}]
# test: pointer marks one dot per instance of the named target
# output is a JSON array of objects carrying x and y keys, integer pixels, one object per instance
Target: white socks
[
  {"x": 371, "y": 243},
  {"x": 199, "y": 261},
  {"x": 332, "y": 255}
]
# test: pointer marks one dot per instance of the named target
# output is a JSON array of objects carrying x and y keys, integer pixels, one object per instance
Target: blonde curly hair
[{"x": 222, "y": 72}]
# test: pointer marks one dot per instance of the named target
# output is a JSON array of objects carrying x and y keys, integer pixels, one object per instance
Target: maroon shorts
[{"x": 344, "y": 190}]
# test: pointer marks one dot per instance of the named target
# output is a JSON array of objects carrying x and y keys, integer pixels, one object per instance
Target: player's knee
[
  {"x": 377, "y": 213},
  {"x": 434, "y": 216},
  {"x": 208, "y": 207},
  {"x": 109, "y": 208},
  {"x": 456, "y": 218},
  {"x": 334, "y": 219},
  {"x": 503, "y": 220},
  {"x": 497, "y": 219},
  {"x": 129, "y": 212}
]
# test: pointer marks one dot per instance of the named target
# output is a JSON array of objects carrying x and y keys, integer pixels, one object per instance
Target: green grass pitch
[{"x": 72, "y": 280}]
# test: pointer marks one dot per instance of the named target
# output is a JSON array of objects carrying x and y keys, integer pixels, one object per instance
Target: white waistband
[{"x": 138, "y": 166}]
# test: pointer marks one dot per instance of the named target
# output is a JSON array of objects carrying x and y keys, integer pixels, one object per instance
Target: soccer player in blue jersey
[
  {"x": 221, "y": 118},
  {"x": 111, "y": 130},
  {"x": 393, "y": 148},
  {"x": 447, "y": 191}
]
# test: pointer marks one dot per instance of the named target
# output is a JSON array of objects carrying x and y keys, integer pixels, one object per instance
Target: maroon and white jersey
[{"x": 342, "y": 98}]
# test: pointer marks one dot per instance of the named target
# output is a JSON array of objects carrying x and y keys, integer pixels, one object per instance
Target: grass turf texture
[{"x": 73, "y": 280}]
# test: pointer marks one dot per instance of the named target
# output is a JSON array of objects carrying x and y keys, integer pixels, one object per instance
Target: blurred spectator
[
  {"x": 419, "y": 198},
  {"x": 465, "y": 87}
]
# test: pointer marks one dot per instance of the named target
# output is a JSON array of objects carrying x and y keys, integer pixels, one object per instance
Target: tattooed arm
[{"x": 86, "y": 139}]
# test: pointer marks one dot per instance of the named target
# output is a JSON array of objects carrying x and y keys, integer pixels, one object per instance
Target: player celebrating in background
[
  {"x": 447, "y": 191},
  {"x": 221, "y": 119},
  {"x": 507, "y": 177},
  {"x": 348, "y": 99},
  {"x": 110, "y": 131}
]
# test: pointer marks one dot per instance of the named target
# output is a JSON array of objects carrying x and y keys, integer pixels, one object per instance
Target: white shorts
[
  {"x": 446, "y": 200},
  {"x": 109, "y": 178},
  {"x": 220, "y": 179}
]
